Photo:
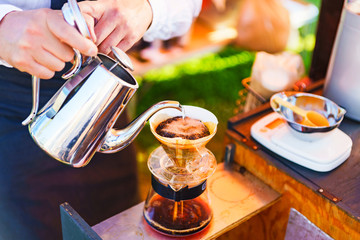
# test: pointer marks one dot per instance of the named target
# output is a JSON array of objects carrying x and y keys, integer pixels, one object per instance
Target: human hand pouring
[{"x": 78, "y": 120}]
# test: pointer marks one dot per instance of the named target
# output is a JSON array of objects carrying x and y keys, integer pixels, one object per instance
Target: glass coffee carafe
[{"x": 178, "y": 202}]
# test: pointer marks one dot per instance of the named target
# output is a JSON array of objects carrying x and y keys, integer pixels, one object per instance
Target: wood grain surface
[{"x": 299, "y": 192}]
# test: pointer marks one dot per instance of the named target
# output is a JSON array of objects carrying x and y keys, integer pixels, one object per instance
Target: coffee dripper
[
  {"x": 77, "y": 121},
  {"x": 178, "y": 202}
]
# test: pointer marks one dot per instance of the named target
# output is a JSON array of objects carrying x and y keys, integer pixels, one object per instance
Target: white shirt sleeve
[
  {"x": 171, "y": 18},
  {"x": 5, "y": 9}
]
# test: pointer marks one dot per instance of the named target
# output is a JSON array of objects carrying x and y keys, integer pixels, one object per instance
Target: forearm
[{"x": 171, "y": 18}]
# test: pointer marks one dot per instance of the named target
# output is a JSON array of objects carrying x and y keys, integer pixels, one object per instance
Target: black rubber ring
[{"x": 185, "y": 193}]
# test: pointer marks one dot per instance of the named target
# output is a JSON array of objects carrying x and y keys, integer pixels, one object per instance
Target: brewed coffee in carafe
[{"x": 178, "y": 202}]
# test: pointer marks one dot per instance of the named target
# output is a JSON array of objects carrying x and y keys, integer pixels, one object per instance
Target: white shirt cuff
[
  {"x": 159, "y": 16},
  {"x": 171, "y": 18},
  {"x": 5, "y": 9}
]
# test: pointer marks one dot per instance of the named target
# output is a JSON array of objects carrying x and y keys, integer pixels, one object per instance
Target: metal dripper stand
[{"x": 178, "y": 202}]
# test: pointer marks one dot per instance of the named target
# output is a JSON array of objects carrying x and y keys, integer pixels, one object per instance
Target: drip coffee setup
[
  {"x": 178, "y": 202},
  {"x": 191, "y": 196},
  {"x": 78, "y": 121}
]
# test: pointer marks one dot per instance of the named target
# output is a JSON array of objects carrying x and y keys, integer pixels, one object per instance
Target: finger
[
  {"x": 125, "y": 44},
  {"x": 38, "y": 70},
  {"x": 62, "y": 51},
  {"x": 112, "y": 39},
  {"x": 92, "y": 8},
  {"x": 48, "y": 60},
  {"x": 70, "y": 35},
  {"x": 96, "y": 10},
  {"x": 103, "y": 29},
  {"x": 26, "y": 63}
]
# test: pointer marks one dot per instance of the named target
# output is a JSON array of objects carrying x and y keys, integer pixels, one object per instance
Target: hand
[
  {"x": 40, "y": 41},
  {"x": 119, "y": 23}
]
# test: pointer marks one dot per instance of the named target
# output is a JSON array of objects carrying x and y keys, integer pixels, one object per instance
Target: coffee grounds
[{"x": 186, "y": 128}]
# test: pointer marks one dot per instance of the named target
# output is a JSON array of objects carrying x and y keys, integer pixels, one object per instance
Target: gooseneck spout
[{"x": 116, "y": 140}]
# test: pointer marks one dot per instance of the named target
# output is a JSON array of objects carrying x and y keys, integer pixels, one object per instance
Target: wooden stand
[
  {"x": 329, "y": 200},
  {"x": 235, "y": 197}
]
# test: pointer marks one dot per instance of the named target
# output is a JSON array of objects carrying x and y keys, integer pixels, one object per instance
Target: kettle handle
[
  {"x": 35, "y": 100},
  {"x": 36, "y": 86},
  {"x": 72, "y": 15},
  {"x": 75, "y": 67}
]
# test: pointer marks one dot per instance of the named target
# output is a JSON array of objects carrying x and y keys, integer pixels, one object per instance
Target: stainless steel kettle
[{"x": 77, "y": 121}]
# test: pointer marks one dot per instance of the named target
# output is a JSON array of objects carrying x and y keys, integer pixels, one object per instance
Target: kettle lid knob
[{"x": 122, "y": 58}]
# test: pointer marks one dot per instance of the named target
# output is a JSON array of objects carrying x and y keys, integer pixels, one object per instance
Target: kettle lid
[{"x": 122, "y": 58}]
